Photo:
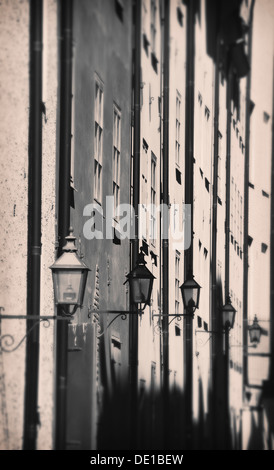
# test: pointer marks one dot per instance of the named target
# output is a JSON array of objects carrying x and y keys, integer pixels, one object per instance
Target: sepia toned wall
[{"x": 14, "y": 96}]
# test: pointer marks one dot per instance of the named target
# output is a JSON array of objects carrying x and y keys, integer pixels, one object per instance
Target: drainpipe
[
  {"x": 165, "y": 241},
  {"x": 228, "y": 165},
  {"x": 31, "y": 417},
  {"x": 227, "y": 250},
  {"x": 66, "y": 7},
  {"x": 246, "y": 207},
  {"x": 271, "y": 371},
  {"x": 134, "y": 319},
  {"x": 217, "y": 340},
  {"x": 188, "y": 255}
]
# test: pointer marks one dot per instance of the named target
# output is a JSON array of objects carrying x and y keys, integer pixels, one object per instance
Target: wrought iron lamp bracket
[
  {"x": 214, "y": 332},
  {"x": 174, "y": 315},
  {"x": 118, "y": 313},
  {"x": 7, "y": 341}
]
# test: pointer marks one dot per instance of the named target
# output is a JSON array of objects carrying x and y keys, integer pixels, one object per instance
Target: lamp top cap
[
  {"x": 190, "y": 282},
  {"x": 255, "y": 324},
  {"x": 228, "y": 305},
  {"x": 141, "y": 257},
  {"x": 70, "y": 241}
]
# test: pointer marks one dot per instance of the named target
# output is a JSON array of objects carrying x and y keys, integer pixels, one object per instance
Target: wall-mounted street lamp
[
  {"x": 255, "y": 331},
  {"x": 228, "y": 312},
  {"x": 69, "y": 278},
  {"x": 140, "y": 281},
  {"x": 190, "y": 290}
]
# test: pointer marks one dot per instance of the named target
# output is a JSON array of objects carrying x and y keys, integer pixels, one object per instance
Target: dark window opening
[
  {"x": 145, "y": 43},
  {"x": 207, "y": 184},
  {"x": 264, "y": 247},
  {"x": 207, "y": 113},
  {"x": 153, "y": 257},
  {"x": 266, "y": 117},
  {"x": 249, "y": 240},
  {"x": 145, "y": 145},
  {"x": 119, "y": 7},
  {"x": 178, "y": 176},
  {"x": 177, "y": 331},
  {"x": 251, "y": 185},
  {"x": 145, "y": 247},
  {"x": 251, "y": 106},
  {"x": 199, "y": 322},
  {"x": 154, "y": 62},
  {"x": 205, "y": 326},
  {"x": 180, "y": 16},
  {"x": 265, "y": 194},
  {"x": 116, "y": 237}
]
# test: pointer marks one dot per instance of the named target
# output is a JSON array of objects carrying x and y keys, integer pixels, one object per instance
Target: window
[
  {"x": 119, "y": 7},
  {"x": 178, "y": 176},
  {"x": 153, "y": 25},
  {"x": 178, "y": 128},
  {"x": 153, "y": 198},
  {"x": 263, "y": 247},
  {"x": 98, "y": 141},
  {"x": 116, "y": 156},
  {"x": 154, "y": 60},
  {"x": 116, "y": 360},
  {"x": 144, "y": 191},
  {"x": 177, "y": 282},
  {"x": 180, "y": 16}
]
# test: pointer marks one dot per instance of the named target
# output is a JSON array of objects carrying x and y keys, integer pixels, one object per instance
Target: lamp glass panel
[
  {"x": 68, "y": 286},
  {"x": 83, "y": 286},
  {"x": 228, "y": 317},
  {"x": 188, "y": 295},
  {"x": 140, "y": 289},
  {"x": 255, "y": 334}
]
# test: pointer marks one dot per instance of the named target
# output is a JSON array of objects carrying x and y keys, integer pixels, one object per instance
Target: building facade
[{"x": 157, "y": 106}]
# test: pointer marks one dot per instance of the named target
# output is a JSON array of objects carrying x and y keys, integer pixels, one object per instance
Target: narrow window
[
  {"x": 263, "y": 247},
  {"x": 153, "y": 198},
  {"x": 98, "y": 141},
  {"x": 153, "y": 25},
  {"x": 144, "y": 191},
  {"x": 119, "y": 7},
  {"x": 178, "y": 129},
  {"x": 177, "y": 282},
  {"x": 154, "y": 60},
  {"x": 116, "y": 360},
  {"x": 116, "y": 156}
]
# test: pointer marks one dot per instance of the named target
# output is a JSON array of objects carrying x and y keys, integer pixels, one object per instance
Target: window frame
[
  {"x": 98, "y": 139},
  {"x": 116, "y": 155}
]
